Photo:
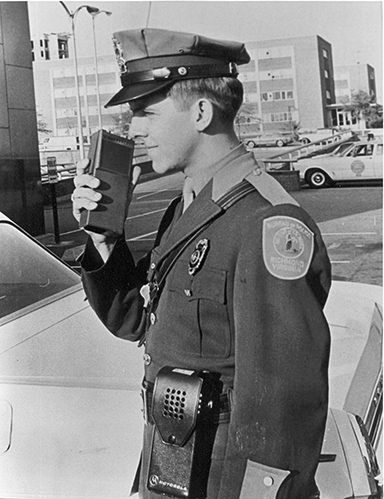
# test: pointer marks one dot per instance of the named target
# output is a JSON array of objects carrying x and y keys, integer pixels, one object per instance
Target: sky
[{"x": 354, "y": 28}]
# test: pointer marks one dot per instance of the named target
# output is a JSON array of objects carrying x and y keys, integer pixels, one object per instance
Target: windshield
[
  {"x": 28, "y": 273},
  {"x": 342, "y": 149}
]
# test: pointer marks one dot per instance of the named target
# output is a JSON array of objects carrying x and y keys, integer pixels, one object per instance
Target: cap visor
[{"x": 132, "y": 92}]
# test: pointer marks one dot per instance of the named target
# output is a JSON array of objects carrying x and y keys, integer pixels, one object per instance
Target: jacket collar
[
  {"x": 230, "y": 171},
  {"x": 202, "y": 211}
]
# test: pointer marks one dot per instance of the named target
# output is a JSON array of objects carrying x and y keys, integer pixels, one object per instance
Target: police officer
[{"x": 235, "y": 284}]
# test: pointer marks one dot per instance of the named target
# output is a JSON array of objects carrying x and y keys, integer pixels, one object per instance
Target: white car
[
  {"x": 360, "y": 161},
  {"x": 70, "y": 408}
]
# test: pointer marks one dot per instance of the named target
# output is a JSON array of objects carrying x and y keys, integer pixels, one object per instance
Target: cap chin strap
[{"x": 180, "y": 73}]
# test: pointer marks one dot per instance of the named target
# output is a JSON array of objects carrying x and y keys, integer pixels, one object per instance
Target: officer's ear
[{"x": 203, "y": 114}]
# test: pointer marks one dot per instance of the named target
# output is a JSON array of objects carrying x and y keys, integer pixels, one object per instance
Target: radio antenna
[{"x": 149, "y": 14}]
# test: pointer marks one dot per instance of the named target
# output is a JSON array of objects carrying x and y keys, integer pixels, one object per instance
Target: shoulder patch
[{"x": 287, "y": 247}]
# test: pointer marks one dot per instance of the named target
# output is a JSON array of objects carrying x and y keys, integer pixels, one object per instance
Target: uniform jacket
[{"x": 252, "y": 311}]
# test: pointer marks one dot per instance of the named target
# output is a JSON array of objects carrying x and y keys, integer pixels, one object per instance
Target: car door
[{"x": 359, "y": 162}]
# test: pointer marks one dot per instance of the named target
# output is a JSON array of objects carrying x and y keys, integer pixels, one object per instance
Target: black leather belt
[{"x": 223, "y": 411}]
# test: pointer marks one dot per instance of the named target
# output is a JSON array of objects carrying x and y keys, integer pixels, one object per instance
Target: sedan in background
[
  {"x": 269, "y": 139},
  {"x": 70, "y": 406},
  {"x": 355, "y": 161}
]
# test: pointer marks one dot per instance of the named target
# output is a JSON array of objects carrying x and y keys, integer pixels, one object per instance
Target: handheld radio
[{"x": 111, "y": 160}]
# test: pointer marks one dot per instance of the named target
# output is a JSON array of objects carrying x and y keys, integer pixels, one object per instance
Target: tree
[
  {"x": 362, "y": 108},
  {"x": 248, "y": 117},
  {"x": 121, "y": 122}
]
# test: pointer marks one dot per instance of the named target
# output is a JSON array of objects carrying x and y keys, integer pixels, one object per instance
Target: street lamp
[
  {"x": 95, "y": 12},
  {"x": 72, "y": 16}
]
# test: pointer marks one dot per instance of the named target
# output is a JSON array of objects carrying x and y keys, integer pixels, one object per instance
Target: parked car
[
  {"x": 269, "y": 139},
  {"x": 308, "y": 136},
  {"x": 69, "y": 390},
  {"x": 358, "y": 161}
]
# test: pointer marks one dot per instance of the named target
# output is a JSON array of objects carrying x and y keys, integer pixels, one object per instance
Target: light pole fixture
[
  {"x": 72, "y": 17},
  {"x": 93, "y": 11}
]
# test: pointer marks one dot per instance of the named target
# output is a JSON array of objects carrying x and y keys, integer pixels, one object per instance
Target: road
[{"x": 350, "y": 219}]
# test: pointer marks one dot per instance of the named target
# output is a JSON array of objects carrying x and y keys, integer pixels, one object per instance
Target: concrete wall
[
  {"x": 20, "y": 185},
  {"x": 309, "y": 84}
]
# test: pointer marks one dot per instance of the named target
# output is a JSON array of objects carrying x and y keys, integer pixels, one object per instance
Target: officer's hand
[{"x": 86, "y": 197}]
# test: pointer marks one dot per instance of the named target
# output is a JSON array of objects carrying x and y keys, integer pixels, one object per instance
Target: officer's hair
[{"x": 225, "y": 92}]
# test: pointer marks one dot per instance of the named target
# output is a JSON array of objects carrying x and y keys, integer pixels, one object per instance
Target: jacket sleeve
[
  {"x": 113, "y": 289},
  {"x": 279, "y": 403}
]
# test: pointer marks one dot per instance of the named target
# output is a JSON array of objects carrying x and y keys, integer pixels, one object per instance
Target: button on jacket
[{"x": 251, "y": 311}]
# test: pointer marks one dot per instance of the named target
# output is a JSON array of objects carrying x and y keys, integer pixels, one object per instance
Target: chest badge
[
  {"x": 197, "y": 257},
  {"x": 287, "y": 247}
]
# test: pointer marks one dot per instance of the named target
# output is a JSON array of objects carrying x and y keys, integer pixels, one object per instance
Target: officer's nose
[{"x": 138, "y": 128}]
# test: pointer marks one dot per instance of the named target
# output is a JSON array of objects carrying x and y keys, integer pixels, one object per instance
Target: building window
[
  {"x": 276, "y": 117},
  {"x": 326, "y": 73},
  {"x": 275, "y": 96},
  {"x": 325, "y": 53},
  {"x": 328, "y": 94}
]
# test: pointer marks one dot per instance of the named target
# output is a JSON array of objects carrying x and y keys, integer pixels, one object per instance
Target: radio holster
[{"x": 183, "y": 407}]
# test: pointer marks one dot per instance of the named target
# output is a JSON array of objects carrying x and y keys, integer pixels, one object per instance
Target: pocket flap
[
  {"x": 208, "y": 284},
  {"x": 263, "y": 479}
]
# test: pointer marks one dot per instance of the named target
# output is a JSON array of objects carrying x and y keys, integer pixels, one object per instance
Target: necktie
[{"x": 188, "y": 194}]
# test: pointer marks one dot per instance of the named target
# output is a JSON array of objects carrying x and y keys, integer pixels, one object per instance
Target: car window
[
  {"x": 28, "y": 273},
  {"x": 362, "y": 150}
]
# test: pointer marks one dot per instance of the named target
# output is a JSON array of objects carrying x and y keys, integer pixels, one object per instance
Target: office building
[
  {"x": 290, "y": 80},
  {"x": 56, "y": 94},
  {"x": 350, "y": 79}
]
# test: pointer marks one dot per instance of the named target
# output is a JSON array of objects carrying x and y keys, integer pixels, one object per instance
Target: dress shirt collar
[{"x": 201, "y": 178}]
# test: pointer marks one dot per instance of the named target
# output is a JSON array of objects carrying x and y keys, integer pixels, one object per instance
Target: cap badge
[
  {"x": 182, "y": 71},
  {"x": 197, "y": 257},
  {"x": 161, "y": 73},
  {"x": 119, "y": 55}
]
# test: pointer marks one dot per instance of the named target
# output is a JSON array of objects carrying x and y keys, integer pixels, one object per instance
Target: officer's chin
[{"x": 162, "y": 169}]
